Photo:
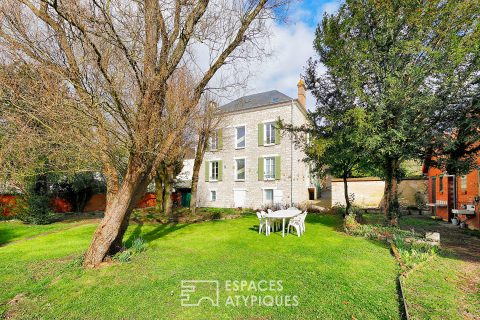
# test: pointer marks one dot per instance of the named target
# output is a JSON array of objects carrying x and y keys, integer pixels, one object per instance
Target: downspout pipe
[{"x": 291, "y": 156}]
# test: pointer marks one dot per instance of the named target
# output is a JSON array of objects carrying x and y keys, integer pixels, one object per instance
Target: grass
[
  {"x": 335, "y": 276},
  {"x": 16, "y": 230},
  {"x": 440, "y": 288},
  {"x": 433, "y": 291}
]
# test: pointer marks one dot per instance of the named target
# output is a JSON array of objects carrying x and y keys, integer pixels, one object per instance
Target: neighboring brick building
[
  {"x": 250, "y": 162},
  {"x": 450, "y": 192}
]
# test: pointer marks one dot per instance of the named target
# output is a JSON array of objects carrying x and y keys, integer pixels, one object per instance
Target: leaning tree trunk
[
  {"x": 159, "y": 192},
  {"x": 391, "y": 204},
  {"x": 348, "y": 208},
  {"x": 109, "y": 233}
]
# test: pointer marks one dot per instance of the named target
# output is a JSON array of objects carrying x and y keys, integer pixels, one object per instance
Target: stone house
[{"x": 250, "y": 162}]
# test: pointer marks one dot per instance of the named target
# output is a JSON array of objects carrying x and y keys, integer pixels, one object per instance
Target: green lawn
[
  {"x": 334, "y": 276},
  {"x": 433, "y": 291},
  {"x": 15, "y": 230}
]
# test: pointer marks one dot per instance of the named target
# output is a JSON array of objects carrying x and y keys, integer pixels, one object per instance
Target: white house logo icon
[{"x": 194, "y": 292}]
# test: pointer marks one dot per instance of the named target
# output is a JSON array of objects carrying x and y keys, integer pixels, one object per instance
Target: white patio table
[{"x": 283, "y": 214}]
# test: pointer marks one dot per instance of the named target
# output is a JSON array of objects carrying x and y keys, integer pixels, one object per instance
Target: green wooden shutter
[
  {"x": 278, "y": 135},
  {"x": 260, "y": 134},
  {"x": 260, "y": 169},
  {"x": 278, "y": 168},
  {"x": 220, "y": 139},
  {"x": 207, "y": 170},
  {"x": 220, "y": 170}
]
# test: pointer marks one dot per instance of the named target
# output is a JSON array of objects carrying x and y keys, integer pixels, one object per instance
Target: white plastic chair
[
  {"x": 267, "y": 222},
  {"x": 303, "y": 216},
  {"x": 274, "y": 222},
  {"x": 293, "y": 208},
  {"x": 262, "y": 223},
  {"x": 295, "y": 222}
]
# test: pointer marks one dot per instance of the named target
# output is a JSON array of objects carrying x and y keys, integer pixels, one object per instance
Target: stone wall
[{"x": 369, "y": 193}]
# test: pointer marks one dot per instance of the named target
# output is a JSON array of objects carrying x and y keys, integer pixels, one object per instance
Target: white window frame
[
  {"x": 463, "y": 183},
  {"x": 271, "y": 175},
  {"x": 272, "y": 134},
  {"x": 264, "y": 196},
  {"x": 211, "y": 178},
  {"x": 235, "y": 176},
  {"x": 244, "y": 138},
  {"x": 212, "y": 191},
  {"x": 214, "y": 138}
]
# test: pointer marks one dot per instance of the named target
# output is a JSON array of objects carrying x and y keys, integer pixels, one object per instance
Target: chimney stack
[{"x": 302, "y": 95}]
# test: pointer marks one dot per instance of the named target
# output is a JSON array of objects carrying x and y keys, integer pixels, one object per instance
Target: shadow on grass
[
  {"x": 158, "y": 232},
  {"x": 7, "y": 236}
]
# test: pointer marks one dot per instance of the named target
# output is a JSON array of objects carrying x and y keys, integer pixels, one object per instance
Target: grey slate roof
[{"x": 255, "y": 101}]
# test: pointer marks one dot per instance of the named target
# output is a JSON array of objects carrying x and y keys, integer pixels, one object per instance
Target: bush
[{"x": 34, "y": 209}]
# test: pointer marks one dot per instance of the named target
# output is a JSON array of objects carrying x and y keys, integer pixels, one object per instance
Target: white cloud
[
  {"x": 328, "y": 7},
  {"x": 291, "y": 46}
]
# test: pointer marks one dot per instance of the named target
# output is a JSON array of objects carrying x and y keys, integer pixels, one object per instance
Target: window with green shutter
[
  {"x": 207, "y": 171},
  {"x": 260, "y": 134},
  {"x": 278, "y": 134},
  {"x": 260, "y": 169},
  {"x": 220, "y": 170},
  {"x": 220, "y": 138},
  {"x": 278, "y": 167}
]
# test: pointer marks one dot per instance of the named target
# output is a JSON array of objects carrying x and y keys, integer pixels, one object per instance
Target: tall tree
[
  {"x": 207, "y": 126},
  {"x": 116, "y": 60},
  {"x": 392, "y": 50}
]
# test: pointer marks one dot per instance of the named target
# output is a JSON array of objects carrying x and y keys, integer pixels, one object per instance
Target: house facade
[
  {"x": 452, "y": 196},
  {"x": 250, "y": 162}
]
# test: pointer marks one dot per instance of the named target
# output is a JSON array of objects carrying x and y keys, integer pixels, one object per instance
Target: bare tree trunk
[
  {"x": 108, "y": 236},
  {"x": 168, "y": 204},
  {"x": 348, "y": 208},
  {"x": 159, "y": 192},
  {"x": 391, "y": 204}
]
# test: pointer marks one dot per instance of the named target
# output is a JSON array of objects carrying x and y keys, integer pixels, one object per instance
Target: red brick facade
[{"x": 444, "y": 189}]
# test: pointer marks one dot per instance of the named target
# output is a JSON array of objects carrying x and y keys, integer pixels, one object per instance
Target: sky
[{"x": 291, "y": 44}]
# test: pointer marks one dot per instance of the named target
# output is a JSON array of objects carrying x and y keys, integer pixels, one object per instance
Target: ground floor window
[
  {"x": 268, "y": 196},
  {"x": 213, "y": 195}
]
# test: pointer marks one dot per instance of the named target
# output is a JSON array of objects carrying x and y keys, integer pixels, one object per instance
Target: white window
[
  {"x": 214, "y": 170},
  {"x": 240, "y": 169},
  {"x": 269, "y": 173},
  {"x": 213, "y": 195},
  {"x": 463, "y": 183},
  {"x": 214, "y": 141},
  {"x": 269, "y": 133},
  {"x": 240, "y": 137},
  {"x": 268, "y": 196}
]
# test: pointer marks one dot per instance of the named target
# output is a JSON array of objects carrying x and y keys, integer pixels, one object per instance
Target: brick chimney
[{"x": 302, "y": 95}]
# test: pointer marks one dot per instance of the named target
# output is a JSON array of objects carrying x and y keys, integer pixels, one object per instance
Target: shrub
[{"x": 34, "y": 209}]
